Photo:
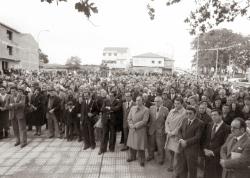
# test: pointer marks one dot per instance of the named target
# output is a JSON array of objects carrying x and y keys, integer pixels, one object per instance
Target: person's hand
[
  {"x": 51, "y": 111},
  {"x": 183, "y": 143},
  {"x": 108, "y": 107},
  {"x": 90, "y": 114},
  {"x": 208, "y": 152},
  {"x": 222, "y": 162},
  {"x": 79, "y": 115}
]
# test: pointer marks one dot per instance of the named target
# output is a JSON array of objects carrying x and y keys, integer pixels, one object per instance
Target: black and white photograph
[{"x": 124, "y": 88}]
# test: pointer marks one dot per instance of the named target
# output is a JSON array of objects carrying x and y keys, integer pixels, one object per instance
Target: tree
[
  {"x": 206, "y": 14},
  {"x": 237, "y": 53},
  {"x": 43, "y": 58},
  {"x": 73, "y": 62},
  {"x": 82, "y": 6},
  {"x": 210, "y": 13}
]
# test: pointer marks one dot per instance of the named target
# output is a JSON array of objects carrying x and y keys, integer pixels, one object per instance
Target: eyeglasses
[{"x": 234, "y": 128}]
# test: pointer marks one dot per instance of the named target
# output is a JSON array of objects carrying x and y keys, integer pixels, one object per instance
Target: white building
[
  {"x": 150, "y": 62},
  {"x": 116, "y": 57},
  {"x": 17, "y": 50}
]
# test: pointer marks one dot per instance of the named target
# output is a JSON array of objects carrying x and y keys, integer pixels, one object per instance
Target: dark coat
[
  {"x": 56, "y": 105},
  {"x": 192, "y": 135},
  {"x": 4, "y": 115},
  {"x": 37, "y": 110},
  {"x": 212, "y": 164},
  {"x": 91, "y": 107}
]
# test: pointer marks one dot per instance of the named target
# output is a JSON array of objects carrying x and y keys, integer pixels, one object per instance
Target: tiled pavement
[{"x": 57, "y": 158}]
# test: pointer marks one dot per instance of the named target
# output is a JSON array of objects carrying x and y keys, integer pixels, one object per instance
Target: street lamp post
[{"x": 197, "y": 56}]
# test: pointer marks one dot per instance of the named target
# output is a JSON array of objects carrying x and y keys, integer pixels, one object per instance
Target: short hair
[
  {"x": 190, "y": 108},
  {"x": 179, "y": 99},
  {"x": 217, "y": 110},
  {"x": 225, "y": 105},
  {"x": 242, "y": 122},
  {"x": 247, "y": 98}
]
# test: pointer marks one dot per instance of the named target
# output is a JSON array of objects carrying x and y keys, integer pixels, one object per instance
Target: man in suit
[
  {"x": 166, "y": 101},
  {"x": 156, "y": 129},
  {"x": 126, "y": 106},
  {"x": 189, "y": 133},
  {"x": 235, "y": 153},
  {"x": 89, "y": 112},
  {"x": 137, "y": 137},
  {"x": 16, "y": 106},
  {"x": 53, "y": 112},
  {"x": 109, "y": 108},
  {"x": 215, "y": 137}
]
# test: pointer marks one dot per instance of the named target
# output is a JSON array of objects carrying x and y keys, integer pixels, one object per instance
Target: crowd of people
[{"x": 200, "y": 122}]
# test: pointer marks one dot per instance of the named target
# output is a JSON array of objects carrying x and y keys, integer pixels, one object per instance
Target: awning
[{"x": 9, "y": 60}]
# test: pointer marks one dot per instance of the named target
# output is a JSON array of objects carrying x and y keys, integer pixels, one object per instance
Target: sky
[{"x": 63, "y": 32}]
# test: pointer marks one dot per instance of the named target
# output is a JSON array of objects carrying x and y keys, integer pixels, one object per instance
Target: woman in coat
[
  {"x": 4, "y": 113},
  {"x": 37, "y": 111}
]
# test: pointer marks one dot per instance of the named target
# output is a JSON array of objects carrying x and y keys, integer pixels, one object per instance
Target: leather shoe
[
  {"x": 51, "y": 136},
  {"x": 17, "y": 143},
  {"x": 130, "y": 160},
  {"x": 85, "y": 147},
  {"x": 23, "y": 145},
  {"x": 124, "y": 149},
  {"x": 92, "y": 147},
  {"x": 142, "y": 164},
  {"x": 100, "y": 152},
  {"x": 150, "y": 158}
]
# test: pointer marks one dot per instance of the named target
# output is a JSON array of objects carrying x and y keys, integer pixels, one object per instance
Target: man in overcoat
[{"x": 137, "y": 137}]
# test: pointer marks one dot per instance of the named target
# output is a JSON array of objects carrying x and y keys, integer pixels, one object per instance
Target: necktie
[
  {"x": 235, "y": 140},
  {"x": 158, "y": 109},
  {"x": 189, "y": 122},
  {"x": 213, "y": 131}
]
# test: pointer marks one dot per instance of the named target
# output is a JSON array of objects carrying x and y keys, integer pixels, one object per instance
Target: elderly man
[
  {"x": 156, "y": 130},
  {"x": 137, "y": 137},
  {"x": 235, "y": 153}
]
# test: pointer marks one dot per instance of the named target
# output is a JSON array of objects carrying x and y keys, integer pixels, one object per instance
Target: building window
[
  {"x": 159, "y": 62},
  {"x": 110, "y": 54},
  {"x": 10, "y": 50},
  {"x": 115, "y": 54},
  {"x": 153, "y": 62},
  {"x": 104, "y": 54},
  {"x": 9, "y": 33}
]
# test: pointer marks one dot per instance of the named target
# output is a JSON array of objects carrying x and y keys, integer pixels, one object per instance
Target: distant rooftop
[
  {"x": 151, "y": 55},
  {"x": 6, "y": 26},
  {"x": 118, "y": 49}
]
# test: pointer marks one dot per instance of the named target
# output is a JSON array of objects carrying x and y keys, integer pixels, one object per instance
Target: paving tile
[{"x": 4, "y": 169}]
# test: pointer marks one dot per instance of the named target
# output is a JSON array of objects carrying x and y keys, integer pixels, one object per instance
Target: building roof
[
  {"x": 6, "y": 26},
  {"x": 150, "y": 55},
  {"x": 118, "y": 49}
]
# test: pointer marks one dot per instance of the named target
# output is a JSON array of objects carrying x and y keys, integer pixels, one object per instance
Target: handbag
[{"x": 173, "y": 144}]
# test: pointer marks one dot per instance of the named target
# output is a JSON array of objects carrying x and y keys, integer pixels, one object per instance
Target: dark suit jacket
[
  {"x": 214, "y": 144},
  {"x": 91, "y": 107},
  {"x": 192, "y": 135},
  {"x": 125, "y": 112},
  {"x": 16, "y": 108},
  {"x": 212, "y": 163},
  {"x": 239, "y": 167},
  {"x": 56, "y": 105}
]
